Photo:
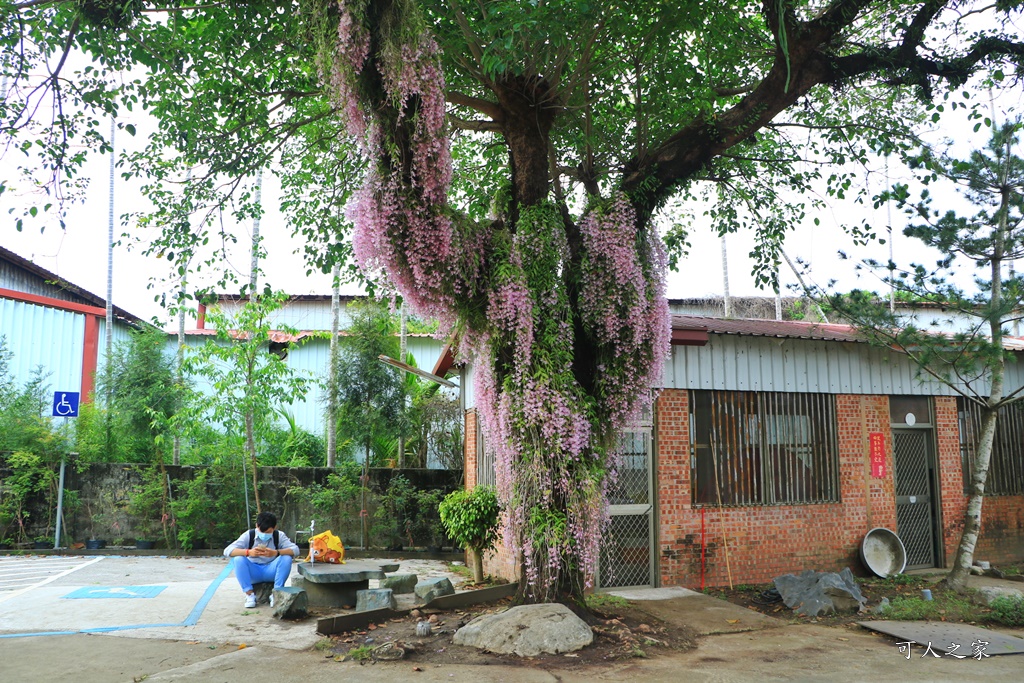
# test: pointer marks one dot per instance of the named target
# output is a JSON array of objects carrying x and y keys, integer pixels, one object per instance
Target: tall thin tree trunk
[
  {"x": 405, "y": 398},
  {"x": 332, "y": 374},
  {"x": 108, "y": 369},
  {"x": 957, "y": 577},
  {"x": 726, "y": 299},
  {"x": 179, "y": 359},
  {"x": 254, "y": 269}
]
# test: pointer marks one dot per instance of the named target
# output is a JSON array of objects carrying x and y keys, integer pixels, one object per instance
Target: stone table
[{"x": 336, "y": 585}]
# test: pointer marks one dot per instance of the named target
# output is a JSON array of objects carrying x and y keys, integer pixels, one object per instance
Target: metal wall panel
[
  {"x": 797, "y": 365},
  {"x": 39, "y": 336},
  {"x": 20, "y": 280}
]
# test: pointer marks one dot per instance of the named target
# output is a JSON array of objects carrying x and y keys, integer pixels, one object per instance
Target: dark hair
[{"x": 266, "y": 520}]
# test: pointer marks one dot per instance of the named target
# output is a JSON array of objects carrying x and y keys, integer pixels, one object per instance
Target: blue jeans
[{"x": 248, "y": 572}]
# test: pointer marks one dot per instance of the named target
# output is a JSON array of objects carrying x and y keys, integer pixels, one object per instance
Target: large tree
[{"x": 516, "y": 155}]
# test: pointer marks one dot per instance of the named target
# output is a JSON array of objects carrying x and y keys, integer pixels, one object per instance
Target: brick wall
[
  {"x": 756, "y": 543},
  {"x": 1002, "y": 517},
  {"x": 500, "y": 561}
]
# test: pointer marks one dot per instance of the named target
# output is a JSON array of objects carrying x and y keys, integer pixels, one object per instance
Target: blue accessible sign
[{"x": 65, "y": 404}]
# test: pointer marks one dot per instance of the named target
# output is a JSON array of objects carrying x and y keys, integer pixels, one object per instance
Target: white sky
[{"x": 79, "y": 253}]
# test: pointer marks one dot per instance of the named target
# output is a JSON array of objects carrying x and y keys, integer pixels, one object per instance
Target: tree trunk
[
  {"x": 250, "y": 452},
  {"x": 957, "y": 577},
  {"x": 478, "y": 565},
  {"x": 332, "y": 375}
]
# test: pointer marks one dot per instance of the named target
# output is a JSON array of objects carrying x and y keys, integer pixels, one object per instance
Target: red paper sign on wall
[{"x": 876, "y": 449}]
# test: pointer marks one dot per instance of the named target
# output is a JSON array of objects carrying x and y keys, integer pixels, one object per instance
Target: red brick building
[{"x": 776, "y": 446}]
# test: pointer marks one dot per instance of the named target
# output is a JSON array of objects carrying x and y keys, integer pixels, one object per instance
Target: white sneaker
[
  {"x": 271, "y": 600},
  {"x": 250, "y": 600}
]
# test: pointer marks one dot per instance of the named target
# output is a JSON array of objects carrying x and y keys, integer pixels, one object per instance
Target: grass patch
[
  {"x": 947, "y": 606},
  {"x": 323, "y": 644},
  {"x": 1007, "y": 611},
  {"x": 599, "y": 600},
  {"x": 462, "y": 570},
  {"x": 361, "y": 653}
]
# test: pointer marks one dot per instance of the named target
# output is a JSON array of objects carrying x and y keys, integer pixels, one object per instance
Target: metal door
[
  {"x": 914, "y": 465},
  {"x": 627, "y": 557}
]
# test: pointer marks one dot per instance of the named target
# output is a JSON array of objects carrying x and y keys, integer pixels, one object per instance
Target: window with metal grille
[
  {"x": 759, "y": 448},
  {"x": 484, "y": 457},
  {"x": 1006, "y": 468}
]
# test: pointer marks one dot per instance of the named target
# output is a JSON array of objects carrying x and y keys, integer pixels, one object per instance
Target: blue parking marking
[
  {"x": 116, "y": 592},
  {"x": 191, "y": 620}
]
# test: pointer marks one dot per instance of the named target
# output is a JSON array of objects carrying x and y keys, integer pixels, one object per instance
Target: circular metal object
[{"x": 883, "y": 553}]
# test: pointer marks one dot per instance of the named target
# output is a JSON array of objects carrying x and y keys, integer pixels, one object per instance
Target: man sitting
[{"x": 261, "y": 555}]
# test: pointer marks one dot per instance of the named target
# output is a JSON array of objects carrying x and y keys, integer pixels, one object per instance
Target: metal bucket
[{"x": 883, "y": 553}]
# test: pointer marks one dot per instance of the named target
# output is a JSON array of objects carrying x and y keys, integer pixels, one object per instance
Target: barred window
[
  {"x": 1006, "y": 468},
  {"x": 759, "y": 448}
]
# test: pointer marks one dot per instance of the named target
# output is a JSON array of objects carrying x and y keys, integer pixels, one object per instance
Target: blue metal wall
[{"x": 46, "y": 338}]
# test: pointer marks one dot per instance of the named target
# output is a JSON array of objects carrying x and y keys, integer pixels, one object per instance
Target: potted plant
[{"x": 96, "y": 521}]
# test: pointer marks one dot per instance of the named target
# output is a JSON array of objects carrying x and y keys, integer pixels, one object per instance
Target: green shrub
[
  {"x": 337, "y": 502},
  {"x": 1008, "y": 611},
  {"x": 395, "y": 513},
  {"x": 471, "y": 519}
]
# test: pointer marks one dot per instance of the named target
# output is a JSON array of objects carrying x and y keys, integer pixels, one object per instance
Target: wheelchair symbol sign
[{"x": 65, "y": 404}]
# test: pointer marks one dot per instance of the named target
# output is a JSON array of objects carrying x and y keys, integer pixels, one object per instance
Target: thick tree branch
[
  {"x": 474, "y": 124},
  {"x": 492, "y": 109}
]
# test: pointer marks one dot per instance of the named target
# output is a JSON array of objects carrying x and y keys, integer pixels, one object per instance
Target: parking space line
[
  {"x": 191, "y": 620},
  {"x": 50, "y": 579}
]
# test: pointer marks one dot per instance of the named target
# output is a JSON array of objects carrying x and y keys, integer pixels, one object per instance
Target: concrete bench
[{"x": 336, "y": 585}]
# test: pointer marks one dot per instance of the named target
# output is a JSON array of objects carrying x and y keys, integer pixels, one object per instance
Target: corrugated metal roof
[
  {"x": 1013, "y": 343},
  {"x": 59, "y": 288},
  {"x": 788, "y": 329},
  {"x": 783, "y": 329}
]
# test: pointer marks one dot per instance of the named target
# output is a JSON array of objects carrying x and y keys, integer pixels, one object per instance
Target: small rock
[
  {"x": 400, "y": 583},
  {"x": 290, "y": 603},
  {"x": 995, "y": 573},
  {"x": 428, "y": 589},
  {"x": 416, "y": 614},
  {"x": 375, "y": 598},
  {"x": 433, "y": 619},
  {"x": 977, "y": 571}
]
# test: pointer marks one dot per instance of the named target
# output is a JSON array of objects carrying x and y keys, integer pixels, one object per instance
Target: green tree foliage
[
  {"x": 371, "y": 395},
  {"x": 973, "y": 362},
  {"x": 30, "y": 448},
  {"x": 144, "y": 397},
  {"x": 249, "y": 382},
  {"x": 471, "y": 519}
]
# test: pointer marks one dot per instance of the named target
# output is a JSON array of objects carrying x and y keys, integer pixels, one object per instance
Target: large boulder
[
  {"x": 527, "y": 631},
  {"x": 988, "y": 594},
  {"x": 813, "y": 593}
]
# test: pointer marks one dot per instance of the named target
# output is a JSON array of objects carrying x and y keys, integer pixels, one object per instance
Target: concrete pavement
[{"x": 177, "y": 619}]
